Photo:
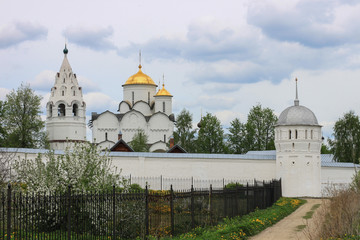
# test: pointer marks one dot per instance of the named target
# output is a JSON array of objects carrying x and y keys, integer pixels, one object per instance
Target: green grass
[
  {"x": 300, "y": 227},
  {"x": 245, "y": 226},
  {"x": 309, "y": 214}
]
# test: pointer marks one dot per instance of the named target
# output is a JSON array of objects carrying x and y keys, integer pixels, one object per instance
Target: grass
[
  {"x": 300, "y": 227},
  {"x": 243, "y": 227}
]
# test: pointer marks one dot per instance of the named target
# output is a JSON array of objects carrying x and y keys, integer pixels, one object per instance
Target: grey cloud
[
  {"x": 311, "y": 23},
  {"x": 18, "y": 32},
  {"x": 93, "y": 38}
]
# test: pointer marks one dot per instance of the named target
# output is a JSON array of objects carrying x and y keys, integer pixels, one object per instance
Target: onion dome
[
  {"x": 65, "y": 51},
  {"x": 163, "y": 92},
  {"x": 140, "y": 78},
  {"x": 297, "y": 115}
]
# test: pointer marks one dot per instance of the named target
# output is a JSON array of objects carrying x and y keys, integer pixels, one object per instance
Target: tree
[
  {"x": 6, "y": 158},
  {"x": 211, "y": 136},
  {"x": 346, "y": 143},
  {"x": 139, "y": 141},
  {"x": 184, "y": 135},
  {"x": 83, "y": 167},
  {"x": 23, "y": 123},
  {"x": 237, "y": 137},
  {"x": 3, "y": 132},
  {"x": 260, "y": 129}
]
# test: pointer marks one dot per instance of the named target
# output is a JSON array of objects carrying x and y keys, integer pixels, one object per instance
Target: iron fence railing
[{"x": 126, "y": 215}]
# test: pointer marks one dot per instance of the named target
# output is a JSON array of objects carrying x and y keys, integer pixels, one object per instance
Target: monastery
[{"x": 297, "y": 160}]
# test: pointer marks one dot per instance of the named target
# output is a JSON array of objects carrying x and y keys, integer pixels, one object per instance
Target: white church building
[{"x": 297, "y": 160}]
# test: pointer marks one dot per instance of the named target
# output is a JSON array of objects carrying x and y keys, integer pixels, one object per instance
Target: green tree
[
  {"x": 83, "y": 167},
  {"x": 184, "y": 135},
  {"x": 211, "y": 136},
  {"x": 237, "y": 137},
  {"x": 260, "y": 129},
  {"x": 325, "y": 149},
  {"x": 139, "y": 141},
  {"x": 23, "y": 123},
  {"x": 346, "y": 143},
  {"x": 3, "y": 132}
]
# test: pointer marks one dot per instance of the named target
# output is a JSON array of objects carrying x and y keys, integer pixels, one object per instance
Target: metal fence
[
  {"x": 161, "y": 183},
  {"x": 119, "y": 215}
]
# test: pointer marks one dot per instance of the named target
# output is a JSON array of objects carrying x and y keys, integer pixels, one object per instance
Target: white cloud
[
  {"x": 99, "y": 102},
  {"x": 43, "y": 81},
  {"x": 18, "y": 32}
]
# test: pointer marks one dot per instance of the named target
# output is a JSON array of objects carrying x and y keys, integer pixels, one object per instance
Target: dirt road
[{"x": 288, "y": 228}]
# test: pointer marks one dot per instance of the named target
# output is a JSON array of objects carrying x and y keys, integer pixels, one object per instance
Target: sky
[{"x": 221, "y": 57}]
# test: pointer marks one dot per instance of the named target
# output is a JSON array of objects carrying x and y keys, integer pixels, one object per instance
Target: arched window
[
  {"x": 164, "y": 138},
  {"x": 75, "y": 110},
  {"x": 296, "y": 134},
  {"x": 74, "y": 92},
  {"x": 64, "y": 80},
  {"x": 163, "y": 106},
  {"x": 62, "y": 93},
  {"x": 305, "y": 134},
  {"x": 289, "y": 134},
  {"x": 293, "y": 146},
  {"x": 148, "y": 97},
  {"x": 106, "y": 136},
  {"x": 311, "y": 134},
  {"x": 61, "y": 110},
  {"x": 50, "y": 110}
]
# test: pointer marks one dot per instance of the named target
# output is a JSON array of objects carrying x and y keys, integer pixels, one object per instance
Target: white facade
[
  {"x": 142, "y": 108},
  {"x": 66, "y": 109}
]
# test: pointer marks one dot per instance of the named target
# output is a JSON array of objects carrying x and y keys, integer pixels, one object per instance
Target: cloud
[
  {"x": 87, "y": 84},
  {"x": 315, "y": 24},
  {"x": 94, "y": 38},
  {"x": 99, "y": 102},
  {"x": 18, "y": 32},
  {"x": 3, "y": 93},
  {"x": 44, "y": 81}
]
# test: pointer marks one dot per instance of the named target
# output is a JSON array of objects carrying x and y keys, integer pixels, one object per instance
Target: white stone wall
[
  {"x": 159, "y": 107},
  {"x": 141, "y": 92},
  {"x": 298, "y": 161}
]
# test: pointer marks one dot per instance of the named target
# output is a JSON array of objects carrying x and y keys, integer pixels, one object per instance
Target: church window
[
  {"x": 289, "y": 134},
  {"x": 293, "y": 146},
  {"x": 311, "y": 134},
  {"x": 133, "y": 98},
  {"x": 305, "y": 134},
  {"x": 165, "y": 138},
  {"x": 75, "y": 110},
  {"x": 309, "y": 147},
  {"x": 163, "y": 106},
  {"x": 74, "y": 93},
  {"x": 50, "y": 110},
  {"x": 63, "y": 93},
  {"x": 64, "y": 80},
  {"x": 61, "y": 110},
  {"x": 296, "y": 134},
  {"x": 106, "y": 136}
]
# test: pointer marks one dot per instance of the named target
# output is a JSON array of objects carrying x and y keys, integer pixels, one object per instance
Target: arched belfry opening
[
  {"x": 61, "y": 110},
  {"x": 75, "y": 110}
]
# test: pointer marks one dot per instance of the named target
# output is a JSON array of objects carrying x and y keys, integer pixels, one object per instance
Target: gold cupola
[
  {"x": 140, "y": 78},
  {"x": 163, "y": 92}
]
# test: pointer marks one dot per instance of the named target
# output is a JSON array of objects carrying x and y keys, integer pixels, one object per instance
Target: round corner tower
[
  {"x": 298, "y": 141},
  {"x": 66, "y": 109}
]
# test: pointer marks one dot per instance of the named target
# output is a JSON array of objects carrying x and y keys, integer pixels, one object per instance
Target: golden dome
[
  {"x": 163, "y": 92},
  {"x": 140, "y": 78}
]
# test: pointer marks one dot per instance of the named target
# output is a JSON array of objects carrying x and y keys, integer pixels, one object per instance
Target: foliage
[
  {"x": 83, "y": 167},
  {"x": 237, "y": 137},
  {"x": 346, "y": 142},
  {"x": 242, "y": 227},
  {"x": 184, "y": 135},
  {"x": 260, "y": 129},
  {"x": 23, "y": 123},
  {"x": 3, "y": 132},
  {"x": 233, "y": 185},
  {"x": 325, "y": 149},
  {"x": 139, "y": 141},
  {"x": 211, "y": 136}
]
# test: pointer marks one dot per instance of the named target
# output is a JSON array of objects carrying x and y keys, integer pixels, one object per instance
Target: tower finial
[
  {"x": 296, "y": 101},
  {"x": 163, "y": 80},
  {"x": 140, "y": 58},
  {"x": 65, "y": 51}
]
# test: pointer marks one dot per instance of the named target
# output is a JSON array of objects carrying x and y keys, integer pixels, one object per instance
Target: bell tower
[
  {"x": 298, "y": 143},
  {"x": 66, "y": 118}
]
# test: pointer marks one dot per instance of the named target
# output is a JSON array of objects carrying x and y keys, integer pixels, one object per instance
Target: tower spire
[
  {"x": 140, "y": 58},
  {"x": 296, "y": 101}
]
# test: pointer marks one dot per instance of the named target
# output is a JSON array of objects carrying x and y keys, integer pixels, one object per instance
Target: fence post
[
  {"x": 247, "y": 197},
  {"x": 161, "y": 182},
  {"x": 9, "y": 211},
  {"x": 146, "y": 210},
  {"x": 114, "y": 215},
  {"x": 69, "y": 213},
  {"x": 172, "y": 209},
  {"x": 210, "y": 207},
  {"x": 192, "y": 208}
]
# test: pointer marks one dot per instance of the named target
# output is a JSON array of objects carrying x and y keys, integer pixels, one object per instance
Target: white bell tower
[
  {"x": 298, "y": 143},
  {"x": 66, "y": 118}
]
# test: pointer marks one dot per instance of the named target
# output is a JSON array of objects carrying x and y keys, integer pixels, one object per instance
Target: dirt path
[{"x": 287, "y": 228}]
